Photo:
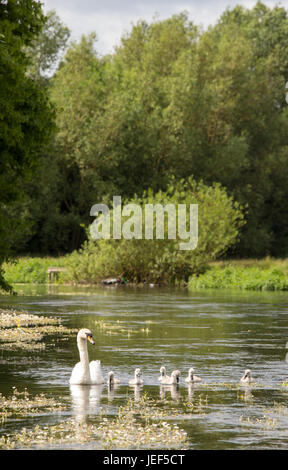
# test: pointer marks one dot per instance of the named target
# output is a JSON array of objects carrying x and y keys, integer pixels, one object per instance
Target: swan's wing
[
  {"x": 96, "y": 372},
  {"x": 79, "y": 375}
]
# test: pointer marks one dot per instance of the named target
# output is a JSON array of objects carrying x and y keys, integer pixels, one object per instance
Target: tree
[
  {"x": 47, "y": 48},
  {"x": 26, "y": 115}
]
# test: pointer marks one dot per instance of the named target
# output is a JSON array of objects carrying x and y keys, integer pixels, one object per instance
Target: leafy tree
[
  {"x": 47, "y": 48},
  {"x": 25, "y": 115}
]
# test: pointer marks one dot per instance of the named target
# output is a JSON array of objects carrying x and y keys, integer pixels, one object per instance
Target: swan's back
[{"x": 96, "y": 372}]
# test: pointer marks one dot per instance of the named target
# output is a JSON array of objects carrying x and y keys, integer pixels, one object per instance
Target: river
[{"x": 218, "y": 333}]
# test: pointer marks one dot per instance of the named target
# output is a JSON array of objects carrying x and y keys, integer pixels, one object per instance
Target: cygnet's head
[
  {"x": 85, "y": 334},
  {"x": 191, "y": 371},
  {"x": 162, "y": 370},
  {"x": 247, "y": 373},
  {"x": 110, "y": 376},
  {"x": 177, "y": 374},
  {"x": 138, "y": 372}
]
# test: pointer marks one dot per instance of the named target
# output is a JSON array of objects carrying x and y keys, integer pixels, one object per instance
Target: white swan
[
  {"x": 162, "y": 373},
  {"x": 174, "y": 379},
  {"x": 247, "y": 378},
  {"x": 191, "y": 378},
  {"x": 112, "y": 379},
  {"x": 84, "y": 373},
  {"x": 137, "y": 380}
]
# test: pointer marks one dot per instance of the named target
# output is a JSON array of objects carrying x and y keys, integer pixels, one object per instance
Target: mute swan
[
  {"x": 162, "y": 373},
  {"x": 174, "y": 379},
  {"x": 246, "y": 377},
  {"x": 137, "y": 380},
  {"x": 191, "y": 377},
  {"x": 84, "y": 373},
  {"x": 111, "y": 379}
]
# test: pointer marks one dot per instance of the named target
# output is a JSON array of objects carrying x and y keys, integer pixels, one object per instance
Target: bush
[{"x": 139, "y": 260}]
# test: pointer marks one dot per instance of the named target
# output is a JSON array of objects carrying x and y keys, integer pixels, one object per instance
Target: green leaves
[
  {"x": 26, "y": 117},
  {"x": 161, "y": 260}
]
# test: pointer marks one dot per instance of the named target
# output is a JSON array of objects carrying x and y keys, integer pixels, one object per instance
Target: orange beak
[{"x": 90, "y": 339}]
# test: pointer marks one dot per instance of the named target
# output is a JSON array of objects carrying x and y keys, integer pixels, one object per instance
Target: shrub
[{"x": 138, "y": 260}]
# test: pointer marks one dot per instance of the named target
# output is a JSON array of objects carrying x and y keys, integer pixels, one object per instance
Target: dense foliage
[
  {"x": 172, "y": 100},
  {"x": 25, "y": 118}
]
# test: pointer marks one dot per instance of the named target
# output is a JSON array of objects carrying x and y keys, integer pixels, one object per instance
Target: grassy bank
[
  {"x": 250, "y": 274},
  {"x": 34, "y": 270},
  {"x": 262, "y": 275}
]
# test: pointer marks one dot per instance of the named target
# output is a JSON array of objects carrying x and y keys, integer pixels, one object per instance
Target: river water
[{"x": 218, "y": 333}]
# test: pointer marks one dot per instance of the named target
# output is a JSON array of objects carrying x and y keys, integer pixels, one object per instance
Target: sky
[{"x": 110, "y": 19}]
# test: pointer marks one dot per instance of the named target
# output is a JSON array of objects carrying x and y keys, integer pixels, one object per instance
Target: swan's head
[
  {"x": 85, "y": 334},
  {"x": 163, "y": 370},
  {"x": 138, "y": 372},
  {"x": 176, "y": 374}
]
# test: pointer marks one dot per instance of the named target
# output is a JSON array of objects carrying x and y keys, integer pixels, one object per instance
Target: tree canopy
[{"x": 26, "y": 115}]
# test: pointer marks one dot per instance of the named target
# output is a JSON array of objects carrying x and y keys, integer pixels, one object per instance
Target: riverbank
[
  {"x": 249, "y": 274},
  {"x": 267, "y": 274}
]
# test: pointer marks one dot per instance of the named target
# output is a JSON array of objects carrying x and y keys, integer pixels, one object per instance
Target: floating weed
[
  {"x": 271, "y": 417},
  {"x": 132, "y": 428},
  {"x": 285, "y": 384},
  {"x": 14, "y": 318},
  {"x": 197, "y": 406},
  {"x": 25, "y": 331},
  {"x": 278, "y": 409},
  {"x": 111, "y": 328},
  {"x": 265, "y": 423},
  {"x": 22, "y": 403}
]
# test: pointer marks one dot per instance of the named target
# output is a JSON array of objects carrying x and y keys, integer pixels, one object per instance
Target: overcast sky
[{"x": 111, "y": 18}]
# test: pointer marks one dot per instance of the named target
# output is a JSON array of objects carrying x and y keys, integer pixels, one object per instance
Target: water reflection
[
  {"x": 247, "y": 395},
  {"x": 85, "y": 401},
  {"x": 172, "y": 389},
  {"x": 137, "y": 391},
  {"x": 111, "y": 391}
]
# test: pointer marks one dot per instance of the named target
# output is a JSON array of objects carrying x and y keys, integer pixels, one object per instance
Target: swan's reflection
[
  {"x": 191, "y": 390},
  {"x": 137, "y": 391},
  {"x": 173, "y": 389},
  {"x": 247, "y": 394},
  {"x": 85, "y": 400},
  {"x": 111, "y": 391}
]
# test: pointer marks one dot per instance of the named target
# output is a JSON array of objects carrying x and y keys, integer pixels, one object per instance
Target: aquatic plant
[
  {"x": 132, "y": 428},
  {"x": 23, "y": 403},
  {"x": 26, "y": 331}
]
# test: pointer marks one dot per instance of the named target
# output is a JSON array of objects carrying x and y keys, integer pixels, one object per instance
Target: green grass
[
  {"x": 259, "y": 275},
  {"x": 33, "y": 270},
  {"x": 266, "y": 274}
]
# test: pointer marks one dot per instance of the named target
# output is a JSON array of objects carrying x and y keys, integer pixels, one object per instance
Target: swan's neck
[{"x": 83, "y": 351}]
